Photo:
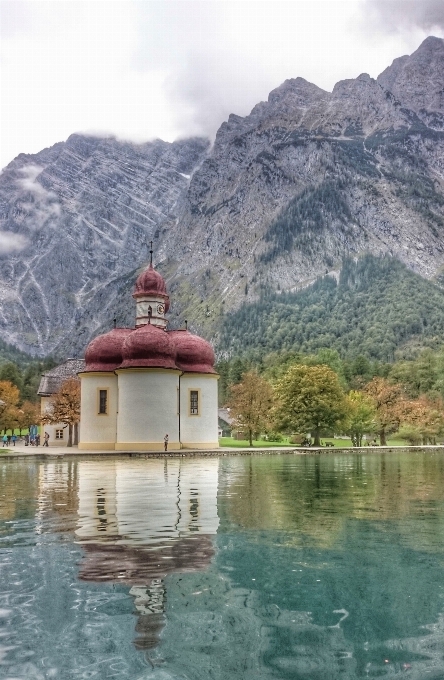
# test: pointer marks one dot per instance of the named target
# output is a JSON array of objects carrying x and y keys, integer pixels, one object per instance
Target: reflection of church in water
[{"x": 139, "y": 522}]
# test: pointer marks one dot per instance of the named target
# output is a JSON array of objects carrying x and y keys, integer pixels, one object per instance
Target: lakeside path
[{"x": 43, "y": 453}]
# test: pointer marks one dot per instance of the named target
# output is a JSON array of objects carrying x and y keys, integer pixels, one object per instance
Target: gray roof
[
  {"x": 224, "y": 414},
  {"x": 52, "y": 380}
]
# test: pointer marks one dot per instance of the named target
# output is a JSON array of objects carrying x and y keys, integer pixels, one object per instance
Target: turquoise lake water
[{"x": 278, "y": 566}]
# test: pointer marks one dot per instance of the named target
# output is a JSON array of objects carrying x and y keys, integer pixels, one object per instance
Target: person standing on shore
[{"x": 165, "y": 442}]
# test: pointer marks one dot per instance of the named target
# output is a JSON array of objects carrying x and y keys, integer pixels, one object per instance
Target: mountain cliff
[
  {"x": 281, "y": 198},
  {"x": 76, "y": 221}
]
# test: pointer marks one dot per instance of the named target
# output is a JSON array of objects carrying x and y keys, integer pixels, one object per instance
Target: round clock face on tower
[{"x": 160, "y": 309}]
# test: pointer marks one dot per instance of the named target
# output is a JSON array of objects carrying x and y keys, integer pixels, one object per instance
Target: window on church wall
[
  {"x": 103, "y": 402},
  {"x": 59, "y": 434},
  {"x": 194, "y": 402}
]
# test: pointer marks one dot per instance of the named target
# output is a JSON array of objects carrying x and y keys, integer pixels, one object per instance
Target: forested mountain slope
[
  {"x": 377, "y": 308},
  {"x": 282, "y": 197}
]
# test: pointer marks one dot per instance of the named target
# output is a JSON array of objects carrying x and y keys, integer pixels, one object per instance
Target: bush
[
  {"x": 297, "y": 439},
  {"x": 273, "y": 437},
  {"x": 410, "y": 434}
]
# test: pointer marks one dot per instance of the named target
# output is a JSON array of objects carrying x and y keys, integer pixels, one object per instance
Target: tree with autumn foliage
[
  {"x": 423, "y": 419},
  {"x": 64, "y": 407},
  {"x": 310, "y": 399},
  {"x": 9, "y": 398},
  {"x": 250, "y": 403},
  {"x": 361, "y": 415},
  {"x": 389, "y": 406},
  {"x": 28, "y": 414}
]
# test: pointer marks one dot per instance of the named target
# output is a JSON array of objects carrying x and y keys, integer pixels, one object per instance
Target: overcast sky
[{"x": 140, "y": 69}]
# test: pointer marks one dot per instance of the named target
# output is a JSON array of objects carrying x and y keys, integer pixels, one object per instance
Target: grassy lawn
[
  {"x": 259, "y": 443},
  {"x": 19, "y": 433},
  {"x": 347, "y": 442}
]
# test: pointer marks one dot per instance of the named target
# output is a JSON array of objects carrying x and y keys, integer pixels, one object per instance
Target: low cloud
[
  {"x": 218, "y": 58},
  {"x": 27, "y": 181},
  {"x": 142, "y": 70},
  {"x": 10, "y": 243},
  {"x": 41, "y": 204},
  {"x": 397, "y": 15}
]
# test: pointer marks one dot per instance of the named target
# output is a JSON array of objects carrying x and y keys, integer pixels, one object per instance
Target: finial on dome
[
  {"x": 115, "y": 322},
  {"x": 151, "y": 253},
  {"x": 186, "y": 325}
]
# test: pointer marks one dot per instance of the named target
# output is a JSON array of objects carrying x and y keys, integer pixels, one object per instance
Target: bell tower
[{"x": 152, "y": 300}]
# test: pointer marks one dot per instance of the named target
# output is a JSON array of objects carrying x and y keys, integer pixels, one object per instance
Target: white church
[{"x": 140, "y": 384}]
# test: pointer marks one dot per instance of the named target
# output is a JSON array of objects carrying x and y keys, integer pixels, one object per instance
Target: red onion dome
[
  {"x": 149, "y": 346},
  {"x": 150, "y": 282},
  {"x": 104, "y": 353},
  {"x": 193, "y": 354}
]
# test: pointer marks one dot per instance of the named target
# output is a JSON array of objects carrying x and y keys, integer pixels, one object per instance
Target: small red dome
[
  {"x": 193, "y": 354},
  {"x": 150, "y": 282},
  {"x": 104, "y": 353},
  {"x": 149, "y": 347}
]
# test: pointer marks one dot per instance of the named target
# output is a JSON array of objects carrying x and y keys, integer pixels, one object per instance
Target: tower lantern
[{"x": 152, "y": 300}]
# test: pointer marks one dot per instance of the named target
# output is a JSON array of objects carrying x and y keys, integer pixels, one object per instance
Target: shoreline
[{"x": 38, "y": 453}]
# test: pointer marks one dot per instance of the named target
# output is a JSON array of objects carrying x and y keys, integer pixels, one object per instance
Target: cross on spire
[{"x": 151, "y": 253}]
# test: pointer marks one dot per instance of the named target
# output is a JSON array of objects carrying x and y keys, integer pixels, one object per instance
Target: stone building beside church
[{"x": 139, "y": 384}]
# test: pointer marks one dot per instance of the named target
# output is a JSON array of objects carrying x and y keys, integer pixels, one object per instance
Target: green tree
[
  {"x": 411, "y": 434},
  {"x": 250, "y": 403},
  {"x": 223, "y": 368},
  {"x": 12, "y": 373},
  {"x": 310, "y": 398},
  {"x": 32, "y": 376},
  {"x": 361, "y": 414},
  {"x": 277, "y": 363}
]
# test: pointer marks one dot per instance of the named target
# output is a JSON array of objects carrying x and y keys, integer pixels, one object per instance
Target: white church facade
[{"x": 140, "y": 384}]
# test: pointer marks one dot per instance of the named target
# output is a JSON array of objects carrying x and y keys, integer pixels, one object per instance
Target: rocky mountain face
[
  {"x": 418, "y": 81},
  {"x": 282, "y": 196},
  {"x": 76, "y": 221},
  {"x": 310, "y": 176}
]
